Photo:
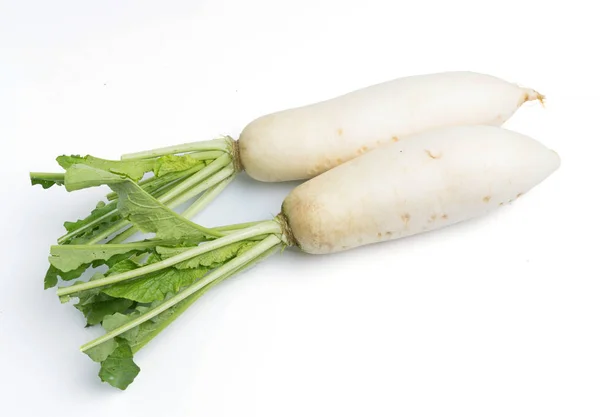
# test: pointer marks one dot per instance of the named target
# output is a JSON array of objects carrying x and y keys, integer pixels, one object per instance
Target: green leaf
[
  {"x": 151, "y": 216},
  {"x": 142, "y": 334},
  {"x": 174, "y": 163},
  {"x": 80, "y": 176},
  {"x": 101, "y": 218},
  {"x": 137, "y": 206},
  {"x": 155, "y": 286},
  {"x": 88, "y": 296},
  {"x": 134, "y": 169},
  {"x": 117, "y": 320},
  {"x": 91, "y": 233},
  {"x": 46, "y": 183},
  {"x": 69, "y": 257},
  {"x": 101, "y": 210},
  {"x": 51, "y": 278},
  {"x": 102, "y": 351},
  {"x": 122, "y": 266},
  {"x": 119, "y": 369},
  {"x": 210, "y": 259},
  {"x": 52, "y": 275},
  {"x": 96, "y": 307},
  {"x": 149, "y": 329}
]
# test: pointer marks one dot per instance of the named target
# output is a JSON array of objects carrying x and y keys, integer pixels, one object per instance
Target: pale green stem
[
  {"x": 224, "y": 230},
  {"x": 50, "y": 176},
  {"x": 113, "y": 229},
  {"x": 213, "y": 167},
  {"x": 218, "y": 273},
  {"x": 124, "y": 235},
  {"x": 269, "y": 227},
  {"x": 206, "y": 155},
  {"x": 145, "y": 244},
  {"x": 220, "y": 176},
  {"x": 183, "y": 305},
  {"x": 234, "y": 227},
  {"x": 206, "y": 198},
  {"x": 210, "y": 145}
]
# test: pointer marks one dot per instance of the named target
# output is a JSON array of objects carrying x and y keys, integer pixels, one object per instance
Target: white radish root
[
  {"x": 303, "y": 142},
  {"x": 433, "y": 180}
]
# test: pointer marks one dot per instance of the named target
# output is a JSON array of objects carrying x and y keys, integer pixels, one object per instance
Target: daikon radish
[{"x": 303, "y": 142}]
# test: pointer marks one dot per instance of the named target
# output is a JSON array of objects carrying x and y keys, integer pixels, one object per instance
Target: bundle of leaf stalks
[{"x": 146, "y": 284}]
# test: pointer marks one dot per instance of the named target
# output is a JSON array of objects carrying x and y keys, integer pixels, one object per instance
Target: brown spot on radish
[
  {"x": 519, "y": 195},
  {"x": 501, "y": 203},
  {"x": 445, "y": 216},
  {"x": 339, "y": 160},
  {"x": 431, "y": 155},
  {"x": 378, "y": 234},
  {"x": 405, "y": 218},
  {"x": 487, "y": 199},
  {"x": 340, "y": 131},
  {"x": 388, "y": 234},
  {"x": 395, "y": 139},
  {"x": 361, "y": 150},
  {"x": 432, "y": 217}
]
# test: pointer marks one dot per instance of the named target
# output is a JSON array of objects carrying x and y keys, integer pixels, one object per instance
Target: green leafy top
[
  {"x": 132, "y": 169},
  {"x": 151, "y": 216},
  {"x": 210, "y": 259}
]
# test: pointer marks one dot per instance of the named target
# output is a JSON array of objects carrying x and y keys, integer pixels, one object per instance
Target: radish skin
[
  {"x": 303, "y": 142},
  {"x": 436, "y": 179}
]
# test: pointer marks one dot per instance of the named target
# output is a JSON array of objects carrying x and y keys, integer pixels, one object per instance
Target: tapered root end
[{"x": 532, "y": 95}]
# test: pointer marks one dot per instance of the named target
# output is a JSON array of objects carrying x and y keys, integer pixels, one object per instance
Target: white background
[{"x": 494, "y": 317}]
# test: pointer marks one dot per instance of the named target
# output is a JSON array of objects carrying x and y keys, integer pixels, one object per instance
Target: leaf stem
[
  {"x": 230, "y": 266},
  {"x": 144, "y": 244},
  {"x": 124, "y": 235},
  {"x": 113, "y": 229},
  {"x": 267, "y": 227},
  {"x": 204, "y": 173},
  {"x": 234, "y": 227},
  {"x": 207, "y": 198},
  {"x": 210, "y": 145},
  {"x": 206, "y": 155},
  {"x": 183, "y": 305},
  {"x": 222, "y": 175},
  {"x": 49, "y": 176}
]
